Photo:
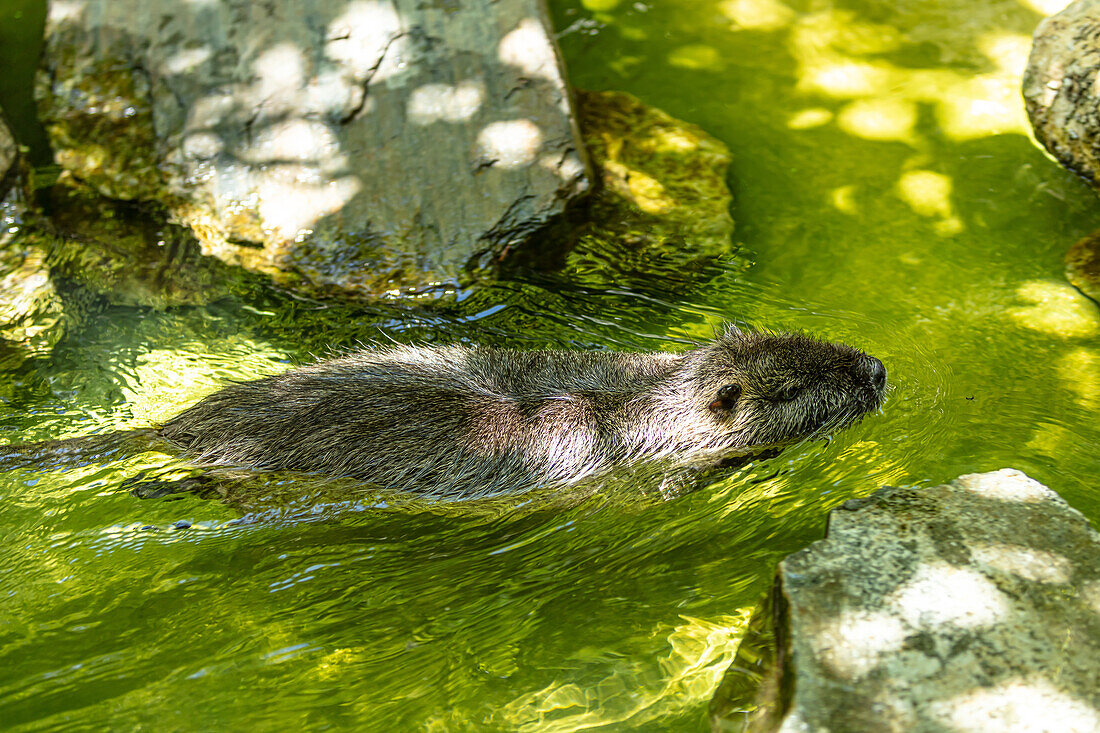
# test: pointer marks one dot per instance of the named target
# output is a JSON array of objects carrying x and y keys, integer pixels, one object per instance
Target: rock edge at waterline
[
  {"x": 341, "y": 147},
  {"x": 970, "y": 606}
]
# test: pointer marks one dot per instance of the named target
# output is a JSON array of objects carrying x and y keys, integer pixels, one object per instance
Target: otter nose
[{"x": 876, "y": 371}]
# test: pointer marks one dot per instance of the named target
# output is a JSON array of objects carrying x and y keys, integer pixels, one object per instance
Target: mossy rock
[
  {"x": 660, "y": 211},
  {"x": 98, "y": 117},
  {"x": 341, "y": 165},
  {"x": 663, "y": 180},
  {"x": 129, "y": 253}
]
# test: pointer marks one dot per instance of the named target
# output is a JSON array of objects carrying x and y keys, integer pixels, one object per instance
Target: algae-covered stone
[
  {"x": 128, "y": 253},
  {"x": 30, "y": 309},
  {"x": 973, "y": 606},
  {"x": 339, "y": 147},
  {"x": 1063, "y": 100},
  {"x": 660, "y": 216},
  {"x": 1083, "y": 265},
  {"x": 663, "y": 180}
]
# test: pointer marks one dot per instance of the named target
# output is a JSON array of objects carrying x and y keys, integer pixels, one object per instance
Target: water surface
[{"x": 886, "y": 195}]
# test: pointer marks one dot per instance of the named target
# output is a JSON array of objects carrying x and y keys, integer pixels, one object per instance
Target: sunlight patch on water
[
  {"x": 810, "y": 118},
  {"x": 163, "y": 381},
  {"x": 1046, "y": 7},
  {"x": 696, "y": 57},
  {"x": 1079, "y": 371},
  {"x": 929, "y": 194},
  {"x": 1056, "y": 308},
  {"x": 757, "y": 15},
  {"x": 839, "y": 56},
  {"x": 879, "y": 119},
  {"x": 843, "y": 198},
  {"x": 698, "y": 653}
]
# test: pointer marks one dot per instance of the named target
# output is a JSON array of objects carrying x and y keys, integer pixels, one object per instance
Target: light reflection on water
[
  {"x": 913, "y": 237},
  {"x": 610, "y": 607}
]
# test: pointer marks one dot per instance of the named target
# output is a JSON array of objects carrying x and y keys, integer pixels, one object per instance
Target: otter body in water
[{"x": 459, "y": 422}]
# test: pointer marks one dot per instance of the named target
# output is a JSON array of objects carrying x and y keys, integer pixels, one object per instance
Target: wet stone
[
  {"x": 1063, "y": 101},
  {"x": 971, "y": 606},
  {"x": 351, "y": 148}
]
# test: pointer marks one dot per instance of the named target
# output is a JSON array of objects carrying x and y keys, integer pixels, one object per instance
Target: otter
[{"x": 458, "y": 422}]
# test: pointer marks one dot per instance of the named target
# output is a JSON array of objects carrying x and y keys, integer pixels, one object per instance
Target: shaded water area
[{"x": 886, "y": 196}]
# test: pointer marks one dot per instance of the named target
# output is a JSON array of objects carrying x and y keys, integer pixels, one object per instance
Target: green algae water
[{"x": 886, "y": 196}]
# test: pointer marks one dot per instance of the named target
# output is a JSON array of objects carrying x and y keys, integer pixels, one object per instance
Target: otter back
[{"x": 459, "y": 422}]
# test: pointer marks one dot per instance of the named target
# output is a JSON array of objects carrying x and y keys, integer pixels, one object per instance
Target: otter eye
[
  {"x": 787, "y": 392},
  {"x": 727, "y": 398}
]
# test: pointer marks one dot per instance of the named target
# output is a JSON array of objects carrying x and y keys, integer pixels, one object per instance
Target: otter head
[{"x": 761, "y": 389}]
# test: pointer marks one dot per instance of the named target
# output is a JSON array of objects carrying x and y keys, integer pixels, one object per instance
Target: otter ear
[{"x": 726, "y": 399}]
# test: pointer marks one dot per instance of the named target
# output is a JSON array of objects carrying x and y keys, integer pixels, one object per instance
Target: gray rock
[
  {"x": 1062, "y": 99},
  {"x": 31, "y": 319},
  {"x": 973, "y": 606},
  {"x": 358, "y": 147},
  {"x": 1083, "y": 265}
]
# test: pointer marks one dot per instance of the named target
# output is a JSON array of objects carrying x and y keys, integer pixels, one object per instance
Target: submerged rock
[
  {"x": 1083, "y": 265},
  {"x": 30, "y": 309},
  {"x": 663, "y": 179},
  {"x": 1063, "y": 101},
  {"x": 971, "y": 606},
  {"x": 127, "y": 253},
  {"x": 661, "y": 211},
  {"x": 352, "y": 148}
]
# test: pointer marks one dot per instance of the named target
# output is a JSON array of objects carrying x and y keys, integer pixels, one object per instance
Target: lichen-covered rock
[
  {"x": 663, "y": 180},
  {"x": 30, "y": 310},
  {"x": 1083, "y": 265},
  {"x": 1063, "y": 101},
  {"x": 351, "y": 147},
  {"x": 128, "y": 253},
  {"x": 973, "y": 606}
]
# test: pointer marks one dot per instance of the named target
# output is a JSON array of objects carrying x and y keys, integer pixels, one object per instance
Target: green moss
[
  {"x": 663, "y": 180},
  {"x": 99, "y": 120},
  {"x": 130, "y": 254}
]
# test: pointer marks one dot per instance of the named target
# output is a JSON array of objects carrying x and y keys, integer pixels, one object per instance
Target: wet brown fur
[{"x": 460, "y": 422}]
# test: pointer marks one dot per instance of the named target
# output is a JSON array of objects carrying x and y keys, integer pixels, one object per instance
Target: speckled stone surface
[
  {"x": 1063, "y": 100},
  {"x": 973, "y": 606},
  {"x": 356, "y": 148}
]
